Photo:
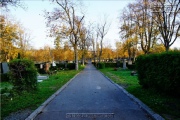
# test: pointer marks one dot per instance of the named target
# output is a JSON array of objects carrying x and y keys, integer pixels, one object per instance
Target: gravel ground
[{"x": 19, "y": 115}]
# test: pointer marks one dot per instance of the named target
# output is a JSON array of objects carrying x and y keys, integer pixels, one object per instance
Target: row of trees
[
  {"x": 15, "y": 39},
  {"x": 143, "y": 24},
  {"x": 150, "y": 24},
  {"x": 67, "y": 22}
]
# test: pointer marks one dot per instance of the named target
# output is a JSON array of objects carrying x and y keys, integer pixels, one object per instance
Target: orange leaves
[{"x": 108, "y": 53}]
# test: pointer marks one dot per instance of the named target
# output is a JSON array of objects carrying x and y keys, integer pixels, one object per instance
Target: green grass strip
[
  {"x": 167, "y": 106},
  {"x": 33, "y": 100}
]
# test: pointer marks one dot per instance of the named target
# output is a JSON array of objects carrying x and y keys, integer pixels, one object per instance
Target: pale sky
[{"x": 33, "y": 19}]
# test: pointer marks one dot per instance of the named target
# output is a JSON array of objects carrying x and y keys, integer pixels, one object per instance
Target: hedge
[
  {"x": 107, "y": 65},
  {"x": 71, "y": 66},
  {"x": 59, "y": 66},
  {"x": 113, "y": 65},
  {"x": 23, "y": 74},
  {"x": 4, "y": 77},
  {"x": 160, "y": 71},
  {"x": 101, "y": 65}
]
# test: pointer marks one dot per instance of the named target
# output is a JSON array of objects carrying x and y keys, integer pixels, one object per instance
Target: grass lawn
[
  {"x": 33, "y": 100},
  {"x": 167, "y": 106}
]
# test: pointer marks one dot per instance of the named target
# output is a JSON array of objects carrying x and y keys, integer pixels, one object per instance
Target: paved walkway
[{"x": 92, "y": 94}]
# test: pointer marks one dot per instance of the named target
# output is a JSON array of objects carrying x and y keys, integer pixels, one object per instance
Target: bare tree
[
  {"x": 93, "y": 47},
  {"x": 167, "y": 14},
  {"x": 92, "y": 40},
  {"x": 102, "y": 30},
  {"x": 65, "y": 21},
  {"x": 146, "y": 27},
  {"x": 84, "y": 42},
  {"x": 128, "y": 32}
]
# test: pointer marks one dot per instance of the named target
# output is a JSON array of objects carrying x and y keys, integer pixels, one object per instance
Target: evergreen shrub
[
  {"x": 71, "y": 66},
  {"x": 4, "y": 77},
  {"x": 23, "y": 74},
  {"x": 112, "y": 65},
  {"x": 101, "y": 65},
  {"x": 160, "y": 71}
]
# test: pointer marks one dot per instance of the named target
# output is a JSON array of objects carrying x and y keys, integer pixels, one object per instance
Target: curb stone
[
  {"x": 153, "y": 115},
  {"x": 43, "y": 105}
]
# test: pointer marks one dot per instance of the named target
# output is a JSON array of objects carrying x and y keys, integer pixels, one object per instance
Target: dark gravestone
[
  {"x": 66, "y": 62},
  {"x": 118, "y": 63},
  {"x": 5, "y": 67}
]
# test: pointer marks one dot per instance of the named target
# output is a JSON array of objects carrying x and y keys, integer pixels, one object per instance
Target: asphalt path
[{"x": 91, "y": 96}]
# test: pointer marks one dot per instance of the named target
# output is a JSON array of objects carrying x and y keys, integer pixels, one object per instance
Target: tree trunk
[
  {"x": 76, "y": 57},
  {"x": 100, "y": 53},
  {"x": 167, "y": 48},
  {"x": 83, "y": 59},
  {"x": 94, "y": 56}
]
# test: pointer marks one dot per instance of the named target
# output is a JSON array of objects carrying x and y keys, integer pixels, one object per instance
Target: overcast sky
[{"x": 32, "y": 18}]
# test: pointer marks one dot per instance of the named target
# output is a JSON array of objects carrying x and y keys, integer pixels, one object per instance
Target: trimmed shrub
[
  {"x": 60, "y": 66},
  {"x": 71, "y": 66},
  {"x": 112, "y": 65},
  {"x": 4, "y": 77},
  {"x": 160, "y": 71},
  {"x": 94, "y": 63},
  {"x": 101, "y": 65},
  {"x": 23, "y": 74}
]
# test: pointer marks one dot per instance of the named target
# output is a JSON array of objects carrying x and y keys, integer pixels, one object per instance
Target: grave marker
[
  {"x": 5, "y": 67},
  {"x": 124, "y": 64},
  {"x": 130, "y": 62},
  {"x": 41, "y": 66},
  {"x": 53, "y": 64}
]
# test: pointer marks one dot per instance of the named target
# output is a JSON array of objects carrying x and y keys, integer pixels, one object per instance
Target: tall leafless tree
[
  {"x": 84, "y": 43},
  {"x": 102, "y": 30},
  {"x": 167, "y": 14},
  {"x": 65, "y": 21},
  {"x": 146, "y": 27}
]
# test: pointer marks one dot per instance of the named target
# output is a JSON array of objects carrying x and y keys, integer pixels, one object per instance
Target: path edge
[
  {"x": 144, "y": 107},
  {"x": 43, "y": 105}
]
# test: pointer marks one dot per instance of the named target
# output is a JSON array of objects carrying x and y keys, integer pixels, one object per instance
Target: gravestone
[
  {"x": 47, "y": 66},
  {"x": 129, "y": 62},
  {"x": 53, "y": 64},
  {"x": 4, "y": 67},
  {"x": 41, "y": 66},
  {"x": 66, "y": 62},
  {"x": 41, "y": 78},
  {"x": 118, "y": 63},
  {"x": 124, "y": 64}
]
